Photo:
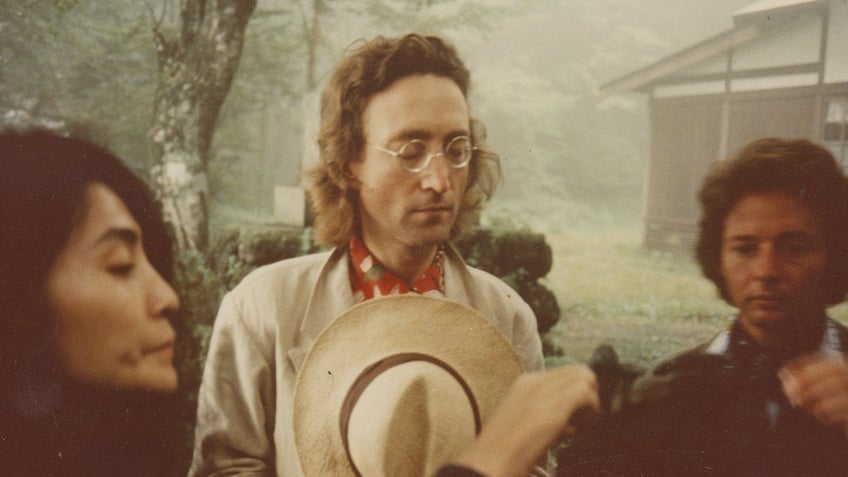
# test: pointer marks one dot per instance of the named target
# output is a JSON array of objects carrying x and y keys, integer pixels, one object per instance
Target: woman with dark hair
[{"x": 86, "y": 343}]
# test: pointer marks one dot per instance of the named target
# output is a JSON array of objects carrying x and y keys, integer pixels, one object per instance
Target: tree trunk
[{"x": 196, "y": 70}]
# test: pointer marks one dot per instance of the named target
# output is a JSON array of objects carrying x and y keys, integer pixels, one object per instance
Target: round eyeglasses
[{"x": 415, "y": 156}]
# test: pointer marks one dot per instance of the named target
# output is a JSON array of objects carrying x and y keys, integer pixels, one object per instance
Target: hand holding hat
[{"x": 539, "y": 409}]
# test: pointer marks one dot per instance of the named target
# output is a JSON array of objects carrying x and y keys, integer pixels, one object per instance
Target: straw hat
[{"x": 397, "y": 386}]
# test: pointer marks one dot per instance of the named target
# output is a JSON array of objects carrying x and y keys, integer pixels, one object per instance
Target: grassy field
[{"x": 645, "y": 304}]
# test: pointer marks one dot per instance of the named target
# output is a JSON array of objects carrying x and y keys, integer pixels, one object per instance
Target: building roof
[
  {"x": 749, "y": 23},
  {"x": 768, "y": 9}
]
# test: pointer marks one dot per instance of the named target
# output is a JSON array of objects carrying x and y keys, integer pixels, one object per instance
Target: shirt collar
[
  {"x": 369, "y": 279},
  {"x": 736, "y": 343}
]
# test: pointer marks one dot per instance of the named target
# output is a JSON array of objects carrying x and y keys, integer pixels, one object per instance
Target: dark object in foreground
[{"x": 703, "y": 414}]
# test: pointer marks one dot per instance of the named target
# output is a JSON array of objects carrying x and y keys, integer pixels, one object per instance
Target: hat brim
[{"x": 375, "y": 330}]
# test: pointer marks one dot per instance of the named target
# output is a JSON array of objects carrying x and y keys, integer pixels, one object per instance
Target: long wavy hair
[
  {"x": 798, "y": 167},
  {"x": 365, "y": 71}
]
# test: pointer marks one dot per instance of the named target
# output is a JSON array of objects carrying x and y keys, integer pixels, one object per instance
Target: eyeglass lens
[{"x": 415, "y": 154}]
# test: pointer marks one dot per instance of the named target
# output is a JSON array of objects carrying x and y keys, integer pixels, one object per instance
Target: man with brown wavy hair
[
  {"x": 334, "y": 188},
  {"x": 403, "y": 168},
  {"x": 768, "y": 395}
]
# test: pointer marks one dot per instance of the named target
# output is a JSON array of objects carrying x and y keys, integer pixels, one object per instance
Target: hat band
[{"x": 376, "y": 369}]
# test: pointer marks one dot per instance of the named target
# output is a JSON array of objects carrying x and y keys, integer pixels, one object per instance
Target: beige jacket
[{"x": 263, "y": 330}]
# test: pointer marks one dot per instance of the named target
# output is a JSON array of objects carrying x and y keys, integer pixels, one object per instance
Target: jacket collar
[
  {"x": 830, "y": 345},
  {"x": 331, "y": 296}
]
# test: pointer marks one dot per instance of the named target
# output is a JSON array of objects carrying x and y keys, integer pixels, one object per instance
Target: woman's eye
[{"x": 121, "y": 270}]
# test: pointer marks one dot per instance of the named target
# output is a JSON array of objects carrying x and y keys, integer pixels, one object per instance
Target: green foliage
[
  {"x": 513, "y": 254},
  {"x": 543, "y": 302},
  {"x": 240, "y": 250},
  {"x": 200, "y": 290},
  {"x": 646, "y": 304},
  {"x": 90, "y": 63},
  {"x": 520, "y": 258},
  {"x": 95, "y": 63}
]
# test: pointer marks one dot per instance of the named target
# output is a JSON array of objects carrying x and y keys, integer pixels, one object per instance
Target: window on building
[{"x": 836, "y": 129}]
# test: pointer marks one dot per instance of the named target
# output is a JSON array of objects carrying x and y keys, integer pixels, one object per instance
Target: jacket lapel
[
  {"x": 459, "y": 284},
  {"x": 331, "y": 296}
]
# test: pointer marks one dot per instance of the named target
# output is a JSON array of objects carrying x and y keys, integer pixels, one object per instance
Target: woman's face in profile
[{"x": 111, "y": 305}]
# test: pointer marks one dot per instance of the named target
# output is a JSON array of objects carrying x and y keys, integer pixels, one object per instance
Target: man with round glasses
[
  {"x": 403, "y": 169},
  {"x": 415, "y": 155}
]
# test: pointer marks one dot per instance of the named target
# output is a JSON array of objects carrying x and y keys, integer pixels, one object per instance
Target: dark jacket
[
  {"x": 717, "y": 409},
  {"x": 88, "y": 432}
]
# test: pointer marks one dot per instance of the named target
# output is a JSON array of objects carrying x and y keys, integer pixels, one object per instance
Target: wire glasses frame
[{"x": 415, "y": 156}]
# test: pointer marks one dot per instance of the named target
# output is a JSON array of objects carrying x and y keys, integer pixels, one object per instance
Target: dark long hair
[
  {"x": 42, "y": 183},
  {"x": 43, "y": 177}
]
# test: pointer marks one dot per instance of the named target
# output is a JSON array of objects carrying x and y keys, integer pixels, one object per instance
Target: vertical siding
[
  {"x": 685, "y": 142},
  {"x": 836, "y": 56},
  {"x": 783, "y": 115}
]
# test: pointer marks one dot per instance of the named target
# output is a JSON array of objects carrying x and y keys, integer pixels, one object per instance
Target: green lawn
[{"x": 646, "y": 304}]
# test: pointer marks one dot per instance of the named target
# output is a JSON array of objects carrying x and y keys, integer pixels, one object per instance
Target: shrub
[
  {"x": 200, "y": 290},
  {"x": 520, "y": 258},
  {"x": 241, "y": 250}
]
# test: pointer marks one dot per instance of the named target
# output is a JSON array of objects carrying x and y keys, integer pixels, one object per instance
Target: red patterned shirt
[{"x": 369, "y": 279}]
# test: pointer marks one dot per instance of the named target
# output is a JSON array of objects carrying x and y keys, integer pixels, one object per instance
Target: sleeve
[
  {"x": 526, "y": 339},
  {"x": 235, "y": 414}
]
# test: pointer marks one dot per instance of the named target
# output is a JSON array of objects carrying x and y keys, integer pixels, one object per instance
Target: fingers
[
  {"x": 580, "y": 401},
  {"x": 818, "y": 385},
  {"x": 546, "y": 402},
  {"x": 579, "y": 388},
  {"x": 535, "y": 412}
]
